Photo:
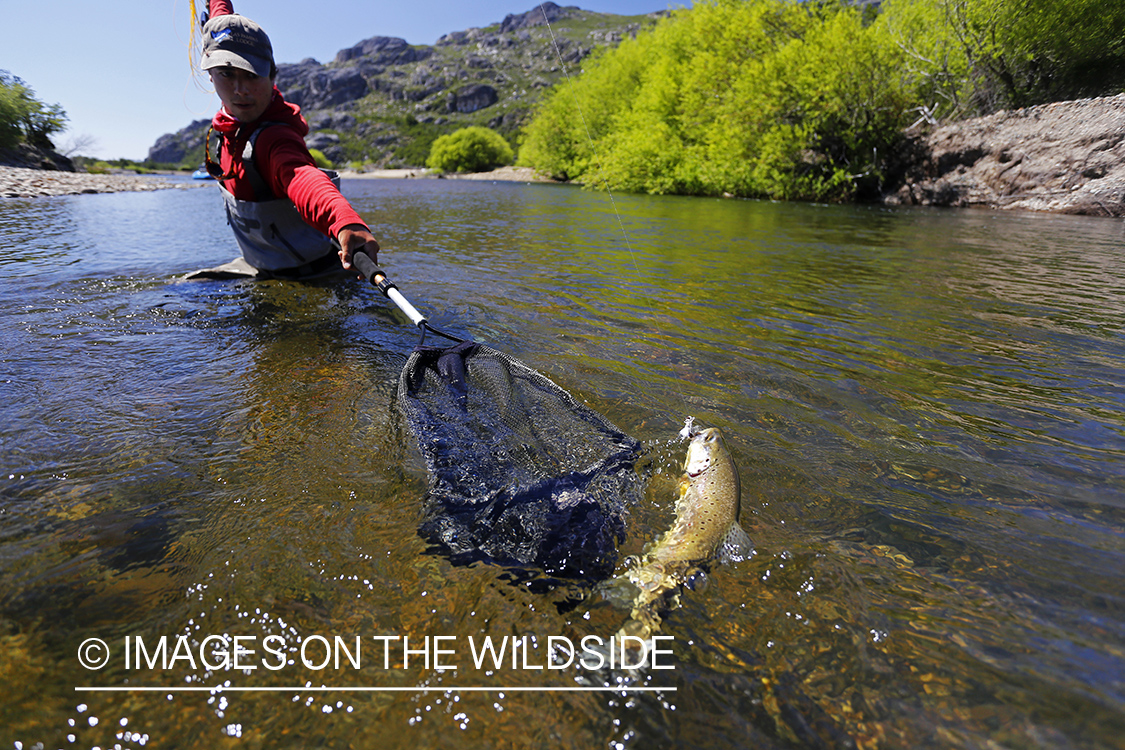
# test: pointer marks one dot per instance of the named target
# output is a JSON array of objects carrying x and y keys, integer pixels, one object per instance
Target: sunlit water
[{"x": 927, "y": 409}]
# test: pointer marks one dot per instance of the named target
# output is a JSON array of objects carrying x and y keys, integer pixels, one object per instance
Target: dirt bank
[{"x": 1066, "y": 157}]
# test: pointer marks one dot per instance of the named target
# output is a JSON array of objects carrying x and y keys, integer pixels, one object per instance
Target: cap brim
[{"x": 224, "y": 58}]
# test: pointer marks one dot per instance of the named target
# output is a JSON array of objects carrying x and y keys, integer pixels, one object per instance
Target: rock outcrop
[
  {"x": 471, "y": 98},
  {"x": 540, "y": 15},
  {"x": 1065, "y": 157},
  {"x": 382, "y": 101},
  {"x": 26, "y": 156},
  {"x": 172, "y": 148},
  {"x": 384, "y": 50},
  {"x": 312, "y": 86}
]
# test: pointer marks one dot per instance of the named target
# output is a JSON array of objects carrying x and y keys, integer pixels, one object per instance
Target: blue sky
[{"x": 122, "y": 73}]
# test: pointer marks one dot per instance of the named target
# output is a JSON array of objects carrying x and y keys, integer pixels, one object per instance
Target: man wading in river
[{"x": 287, "y": 214}]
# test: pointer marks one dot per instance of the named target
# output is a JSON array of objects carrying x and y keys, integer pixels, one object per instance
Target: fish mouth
[{"x": 697, "y": 467}]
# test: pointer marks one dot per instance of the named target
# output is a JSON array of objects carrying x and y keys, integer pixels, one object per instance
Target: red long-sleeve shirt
[
  {"x": 281, "y": 158},
  {"x": 220, "y": 8}
]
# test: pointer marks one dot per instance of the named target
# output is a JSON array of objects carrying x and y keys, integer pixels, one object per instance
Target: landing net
[{"x": 521, "y": 474}]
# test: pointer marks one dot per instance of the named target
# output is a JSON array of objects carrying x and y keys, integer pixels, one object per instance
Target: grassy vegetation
[{"x": 807, "y": 100}]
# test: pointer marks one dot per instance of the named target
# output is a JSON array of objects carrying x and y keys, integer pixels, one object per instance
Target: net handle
[{"x": 378, "y": 278}]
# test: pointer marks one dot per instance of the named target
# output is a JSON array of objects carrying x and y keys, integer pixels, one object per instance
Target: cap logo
[{"x": 218, "y": 36}]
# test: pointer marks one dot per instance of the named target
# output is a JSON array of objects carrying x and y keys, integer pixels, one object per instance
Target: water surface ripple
[{"x": 927, "y": 409}]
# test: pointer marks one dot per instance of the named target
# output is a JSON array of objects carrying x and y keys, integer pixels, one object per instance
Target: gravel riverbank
[{"x": 17, "y": 182}]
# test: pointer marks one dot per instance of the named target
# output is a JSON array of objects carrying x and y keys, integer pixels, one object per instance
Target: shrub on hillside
[
  {"x": 320, "y": 159},
  {"x": 474, "y": 149},
  {"x": 985, "y": 55},
  {"x": 748, "y": 97}
]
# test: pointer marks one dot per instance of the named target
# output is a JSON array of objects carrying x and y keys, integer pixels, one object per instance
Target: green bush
[
  {"x": 804, "y": 99},
  {"x": 474, "y": 149},
  {"x": 25, "y": 118},
  {"x": 321, "y": 160},
  {"x": 10, "y": 114},
  {"x": 991, "y": 54},
  {"x": 747, "y": 97},
  {"x": 573, "y": 116}
]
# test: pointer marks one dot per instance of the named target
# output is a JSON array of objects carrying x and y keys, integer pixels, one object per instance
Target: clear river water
[{"x": 927, "y": 409}]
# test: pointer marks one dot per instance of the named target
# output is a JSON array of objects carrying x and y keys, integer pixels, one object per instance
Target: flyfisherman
[{"x": 288, "y": 216}]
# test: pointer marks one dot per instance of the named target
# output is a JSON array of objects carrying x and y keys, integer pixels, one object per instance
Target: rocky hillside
[
  {"x": 1065, "y": 157},
  {"x": 382, "y": 102}
]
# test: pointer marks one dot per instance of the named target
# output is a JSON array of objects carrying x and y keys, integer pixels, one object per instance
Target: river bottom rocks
[{"x": 17, "y": 182}]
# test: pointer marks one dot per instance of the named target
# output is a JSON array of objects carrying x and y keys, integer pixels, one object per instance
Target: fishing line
[
  {"x": 609, "y": 192},
  {"x": 586, "y": 128}
]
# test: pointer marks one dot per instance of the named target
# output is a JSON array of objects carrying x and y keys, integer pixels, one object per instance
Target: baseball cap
[{"x": 236, "y": 41}]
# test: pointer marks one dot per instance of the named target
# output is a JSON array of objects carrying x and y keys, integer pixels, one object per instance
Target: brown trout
[{"x": 706, "y": 527}]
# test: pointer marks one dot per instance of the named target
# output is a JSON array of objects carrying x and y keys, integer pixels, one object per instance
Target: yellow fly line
[{"x": 195, "y": 50}]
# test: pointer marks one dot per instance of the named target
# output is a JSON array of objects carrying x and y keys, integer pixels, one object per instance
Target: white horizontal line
[{"x": 324, "y": 689}]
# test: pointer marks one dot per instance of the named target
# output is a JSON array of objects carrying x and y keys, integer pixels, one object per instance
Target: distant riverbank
[
  {"x": 502, "y": 174},
  {"x": 18, "y": 182},
  {"x": 1065, "y": 157}
]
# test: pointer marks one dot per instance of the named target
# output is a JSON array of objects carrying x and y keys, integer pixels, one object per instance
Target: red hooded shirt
[{"x": 285, "y": 165}]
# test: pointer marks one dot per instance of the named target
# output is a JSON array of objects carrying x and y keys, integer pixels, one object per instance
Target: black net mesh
[{"x": 521, "y": 474}]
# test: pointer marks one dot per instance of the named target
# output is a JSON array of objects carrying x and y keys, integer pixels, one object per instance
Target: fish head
[{"x": 704, "y": 451}]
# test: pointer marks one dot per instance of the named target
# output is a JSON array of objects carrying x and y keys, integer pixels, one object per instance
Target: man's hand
[{"x": 356, "y": 238}]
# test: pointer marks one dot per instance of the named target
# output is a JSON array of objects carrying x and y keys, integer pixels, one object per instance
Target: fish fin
[
  {"x": 682, "y": 489},
  {"x": 736, "y": 546}
]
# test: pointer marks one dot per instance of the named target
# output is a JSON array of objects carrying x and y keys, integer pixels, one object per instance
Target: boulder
[
  {"x": 330, "y": 120},
  {"x": 313, "y": 86},
  {"x": 537, "y": 16},
  {"x": 326, "y": 143},
  {"x": 33, "y": 157},
  {"x": 471, "y": 98}
]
